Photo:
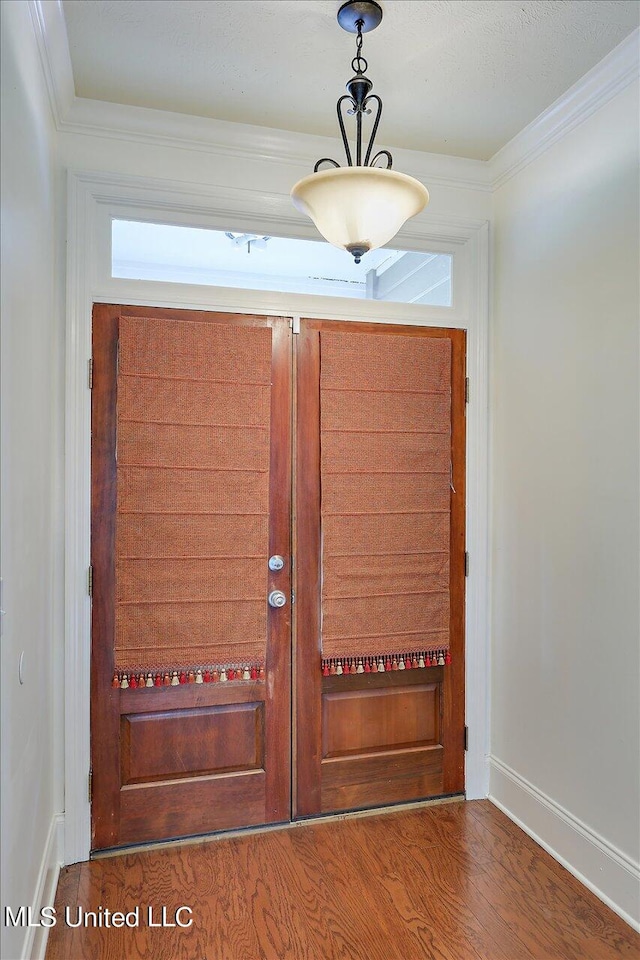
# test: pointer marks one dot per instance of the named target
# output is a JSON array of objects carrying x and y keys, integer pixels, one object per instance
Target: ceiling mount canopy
[{"x": 359, "y": 207}]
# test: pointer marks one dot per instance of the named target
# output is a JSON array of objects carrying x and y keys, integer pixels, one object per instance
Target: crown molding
[
  {"x": 47, "y": 17},
  {"x": 228, "y": 139},
  {"x": 77, "y": 115},
  {"x": 611, "y": 75}
]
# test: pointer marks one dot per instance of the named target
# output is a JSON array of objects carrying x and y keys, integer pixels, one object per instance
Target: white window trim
[{"x": 93, "y": 201}]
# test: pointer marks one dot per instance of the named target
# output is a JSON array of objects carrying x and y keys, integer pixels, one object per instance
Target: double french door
[{"x": 278, "y": 569}]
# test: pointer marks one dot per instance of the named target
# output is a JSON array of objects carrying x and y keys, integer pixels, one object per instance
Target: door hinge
[
  {"x": 466, "y": 564},
  {"x": 90, "y": 785},
  {"x": 90, "y": 581},
  {"x": 90, "y": 373},
  {"x": 466, "y": 738},
  {"x": 466, "y": 389},
  {"x": 293, "y": 596},
  {"x": 295, "y": 324}
]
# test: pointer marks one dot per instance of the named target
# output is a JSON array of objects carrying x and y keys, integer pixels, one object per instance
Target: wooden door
[
  {"x": 380, "y": 451},
  {"x": 191, "y": 465}
]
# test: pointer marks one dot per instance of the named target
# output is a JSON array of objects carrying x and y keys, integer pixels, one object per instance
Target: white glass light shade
[{"x": 359, "y": 207}]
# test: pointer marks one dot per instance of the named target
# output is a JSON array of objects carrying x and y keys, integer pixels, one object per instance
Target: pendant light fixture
[{"x": 359, "y": 207}]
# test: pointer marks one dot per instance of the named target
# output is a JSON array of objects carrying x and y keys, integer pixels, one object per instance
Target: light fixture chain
[
  {"x": 359, "y": 60},
  {"x": 359, "y": 97}
]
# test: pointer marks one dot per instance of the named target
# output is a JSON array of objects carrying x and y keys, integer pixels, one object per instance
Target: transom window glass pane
[{"x": 151, "y": 251}]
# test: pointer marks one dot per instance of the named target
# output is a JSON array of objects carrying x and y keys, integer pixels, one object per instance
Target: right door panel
[{"x": 380, "y": 565}]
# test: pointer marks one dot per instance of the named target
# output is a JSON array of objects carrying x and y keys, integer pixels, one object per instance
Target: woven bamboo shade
[
  {"x": 385, "y": 475},
  {"x": 192, "y": 526}
]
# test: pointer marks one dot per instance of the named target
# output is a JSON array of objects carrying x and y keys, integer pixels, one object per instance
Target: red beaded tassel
[
  {"x": 145, "y": 680},
  {"x": 383, "y": 663}
]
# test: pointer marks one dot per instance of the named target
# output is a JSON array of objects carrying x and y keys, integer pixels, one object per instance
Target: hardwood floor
[{"x": 457, "y": 881}]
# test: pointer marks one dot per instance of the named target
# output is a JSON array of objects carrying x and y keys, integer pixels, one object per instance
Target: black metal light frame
[{"x": 359, "y": 17}]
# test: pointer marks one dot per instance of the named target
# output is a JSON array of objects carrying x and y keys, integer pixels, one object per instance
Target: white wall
[
  {"x": 31, "y": 480},
  {"x": 565, "y": 504}
]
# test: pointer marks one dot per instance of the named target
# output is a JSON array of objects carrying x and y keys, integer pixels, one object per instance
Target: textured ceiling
[{"x": 456, "y": 76}]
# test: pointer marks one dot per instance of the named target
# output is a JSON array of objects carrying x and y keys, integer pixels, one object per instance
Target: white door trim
[{"x": 93, "y": 200}]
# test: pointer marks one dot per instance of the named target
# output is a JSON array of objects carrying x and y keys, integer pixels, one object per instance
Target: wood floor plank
[
  {"x": 447, "y": 825},
  {"x": 357, "y": 925},
  {"x": 453, "y": 882},
  {"x": 445, "y": 884},
  {"x": 425, "y": 896},
  {"x": 278, "y": 918},
  {"x": 221, "y": 905},
  {"x": 60, "y": 939}
]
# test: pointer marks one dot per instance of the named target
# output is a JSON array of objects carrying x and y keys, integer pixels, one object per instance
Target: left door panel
[{"x": 190, "y": 684}]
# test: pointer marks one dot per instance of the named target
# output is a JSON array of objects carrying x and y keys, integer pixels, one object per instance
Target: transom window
[{"x": 151, "y": 251}]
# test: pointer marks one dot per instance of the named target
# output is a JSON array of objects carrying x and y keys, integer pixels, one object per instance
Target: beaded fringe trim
[
  {"x": 135, "y": 679},
  {"x": 333, "y": 666},
  {"x": 383, "y": 664}
]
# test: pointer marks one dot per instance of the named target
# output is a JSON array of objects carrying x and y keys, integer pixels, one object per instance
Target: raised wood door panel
[
  {"x": 177, "y": 760},
  {"x": 355, "y": 721},
  {"x": 208, "y": 740},
  {"x": 373, "y": 738}
]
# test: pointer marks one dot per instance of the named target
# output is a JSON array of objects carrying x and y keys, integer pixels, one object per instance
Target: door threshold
[{"x": 271, "y": 827}]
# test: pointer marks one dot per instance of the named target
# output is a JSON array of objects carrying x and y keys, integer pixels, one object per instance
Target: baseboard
[
  {"x": 605, "y": 870},
  {"x": 35, "y": 943}
]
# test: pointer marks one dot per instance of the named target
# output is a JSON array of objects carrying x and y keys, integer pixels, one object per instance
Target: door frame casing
[{"x": 93, "y": 200}]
